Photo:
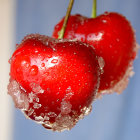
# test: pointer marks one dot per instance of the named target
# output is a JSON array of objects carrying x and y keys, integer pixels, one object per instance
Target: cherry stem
[
  {"x": 94, "y": 9},
  {"x": 62, "y": 31}
]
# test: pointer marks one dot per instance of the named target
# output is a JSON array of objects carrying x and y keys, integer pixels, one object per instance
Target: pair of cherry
[{"x": 54, "y": 81}]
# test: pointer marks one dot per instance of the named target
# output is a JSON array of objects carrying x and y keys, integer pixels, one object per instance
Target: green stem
[
  {"x": 62, "y": 31},
  {"x": 94, "y": 9}
]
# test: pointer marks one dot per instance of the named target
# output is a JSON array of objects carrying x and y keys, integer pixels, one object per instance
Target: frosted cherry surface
[
  {"x": 122, "y": 84},
  {"x": 62, "y": 122},
  {"x": 19, "y": 97},
  {"x": 110, "y": 42},
  {"x": 54, "y": 95}
]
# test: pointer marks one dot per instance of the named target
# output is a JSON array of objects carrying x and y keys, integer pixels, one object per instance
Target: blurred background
[{"x": 114, "y": 117}]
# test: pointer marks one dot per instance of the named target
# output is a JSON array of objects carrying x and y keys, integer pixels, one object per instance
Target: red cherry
[
  {"x": 53, "y": 81},
  {"x": 114, "y": 40}
]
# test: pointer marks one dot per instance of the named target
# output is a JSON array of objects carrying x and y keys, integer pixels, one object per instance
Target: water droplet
[
  {"x": 49, "y": 56},
  {"x": 18, "y": 70},
  {"x": 54, "y": 61},
  {"x": 104, "y": 21},
  {"x": 54, "y": 49},
  {"x": 36, "y": 51},
  {"x": 46, "y": 73},
  {"x": 117, "y": 39},
  {"x": 86, "y": 83},
  {"x": 43, "y": 64},
  {"x": 34, "y": 70},
  {"x": 25, "y": 64},
  {"x": 47, "y": 43},
  {"x": 106, "y": 13},
  {"x": 10, "y": 60}
]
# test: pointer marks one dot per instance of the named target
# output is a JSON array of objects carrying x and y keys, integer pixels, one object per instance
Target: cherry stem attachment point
[
  {"x": 94, "y": 9},
  {"x": 62, "y": 31}
]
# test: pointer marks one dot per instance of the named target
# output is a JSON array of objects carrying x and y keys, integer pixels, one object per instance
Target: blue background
[{"x": 114, "y": 117}]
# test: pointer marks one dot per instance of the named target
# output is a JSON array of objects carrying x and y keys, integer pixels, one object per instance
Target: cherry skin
[
  {"x": 56, "y": 80},
  {"x": 113, "y": 39}
]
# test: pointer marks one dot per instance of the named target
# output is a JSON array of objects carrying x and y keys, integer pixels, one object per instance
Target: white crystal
[
  {"x": 19, "y": 96},
  {"x": 101, "y": 64},
  {"x": 65, "y": 107},
  {"x": 37, "y": 106},
  {"x": 39, "y": 119},
  {"x": 36, "y": 88}
]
